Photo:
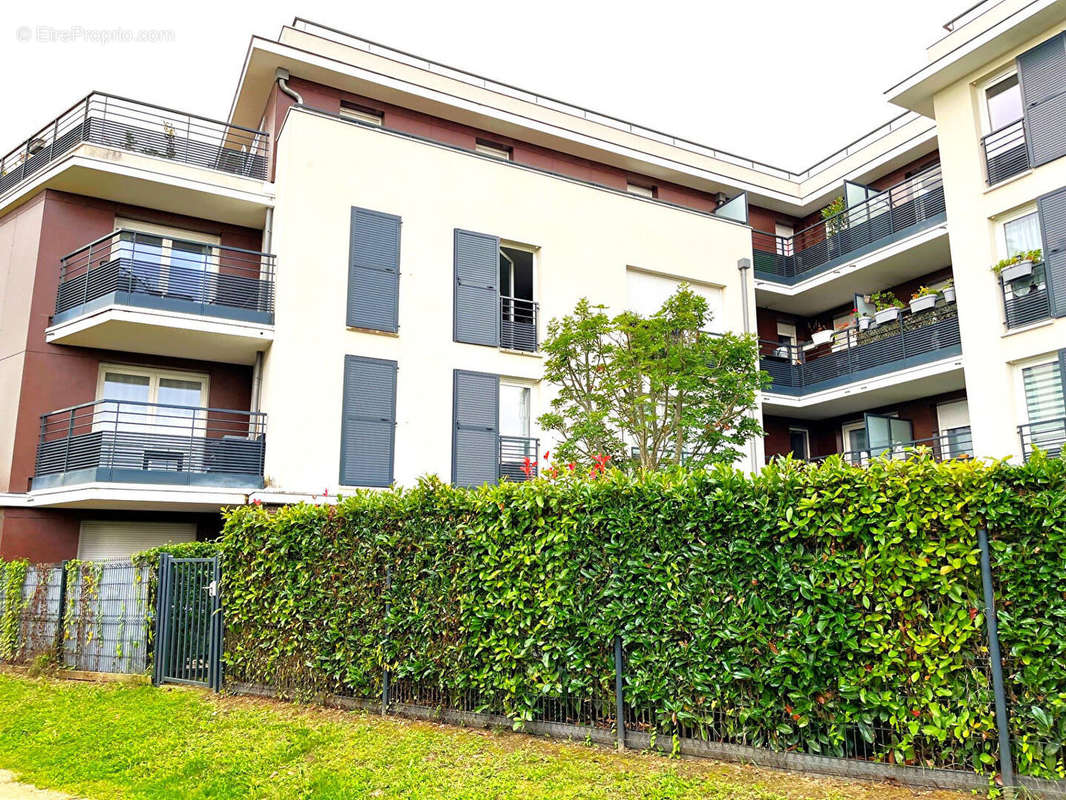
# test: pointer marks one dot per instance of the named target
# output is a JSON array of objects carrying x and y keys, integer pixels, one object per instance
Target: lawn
[{"x": 119, "y": 740}]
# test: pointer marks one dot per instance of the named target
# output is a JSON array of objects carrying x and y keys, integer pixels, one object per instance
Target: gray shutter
[
  {"x": 374, "y": 271},
  {"x": 476, "y": 424},
  {"x": 1042, "y": 74},
  {"x": 368, "y": 422},
  {"x": 1052, "y": 208},
  {"x": 477, "y": 288}
]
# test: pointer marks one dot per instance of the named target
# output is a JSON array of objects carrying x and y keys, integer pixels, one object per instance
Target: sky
[{"x": 778, "y": 81}]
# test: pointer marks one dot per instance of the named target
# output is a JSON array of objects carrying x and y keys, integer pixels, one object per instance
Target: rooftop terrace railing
[
  {"x": 898, "y": 211},
  {"x": 130, "y": 125}
]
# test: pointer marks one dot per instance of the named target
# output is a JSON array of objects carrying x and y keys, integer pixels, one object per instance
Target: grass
[{"x": 120, "y": 740}]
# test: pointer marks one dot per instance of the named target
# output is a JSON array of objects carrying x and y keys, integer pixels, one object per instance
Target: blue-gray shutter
[
  {"x": 477, "y": 288},
  {"x": 476, "y": 428},
  {"x": 1042, "y": 75},
  {"x": 374, "y": 271},
  {"x": 1052, "y": 209},
  {"x": 368, "y": 421}
]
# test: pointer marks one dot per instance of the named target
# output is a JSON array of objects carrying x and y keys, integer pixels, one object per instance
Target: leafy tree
[{"x": 661, "y": 384}]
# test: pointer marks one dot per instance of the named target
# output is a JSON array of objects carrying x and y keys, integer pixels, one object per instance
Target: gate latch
[{"x": 212, "y": 588}]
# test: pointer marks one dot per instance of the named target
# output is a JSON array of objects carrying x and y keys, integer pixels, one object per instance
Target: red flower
[
  {"x": 915, "y": 712},
  {"x": 527, "y": 467},
  {"x": 325, "y": 492},
  {"x": 571, "y": 466},
  {"x": 258, "y": 502},
  {"x": 546, "y": 454}
]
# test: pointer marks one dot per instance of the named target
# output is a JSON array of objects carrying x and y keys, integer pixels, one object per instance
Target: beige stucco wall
[
  {"x": 586, "y": 238},
  {"x": 975, "y": 213}
]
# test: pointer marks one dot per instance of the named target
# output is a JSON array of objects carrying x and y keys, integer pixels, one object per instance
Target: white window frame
[
  {"x": 365, "y": 114},
  {"x": 168, "y": 234},
  {"x": 806, "y": 439},
  {"x": 1019, "y": 382},
  {"x": 518, "y": 384},
  {"x": 1003, "y": 220},
  {"x": 641, "y": 190},
  {"x": 497, "y": 151},
  {"x": 105, "y": 420},
  {"x": 982, "y": 95}
]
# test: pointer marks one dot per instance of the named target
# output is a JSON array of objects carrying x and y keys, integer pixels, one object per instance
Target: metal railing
[
  {"x": 908, "y": 203},
  {"x": 138, "y": 127},
  {"x": 1048, "y": 435},
  {"x": 1005, "y": 152},
  {"x": 852, "y": 350},
  {"x": 126, "y": 437},
  {"x": 1026, "y": 300},
  {"x": 944, "y": 446},
  {"x": 518, "y": 457},
  {"x": 137, "y": 263},
  {"x": 518, "y": 324}
]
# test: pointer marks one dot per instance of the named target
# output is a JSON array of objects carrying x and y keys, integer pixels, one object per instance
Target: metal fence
[
  {"x": 1005, "y": 152},
  {"x": 518, "y": 457},
  {"x": 944, "y": 446},
  {"x": 152, "y": 130},
  {"x": 1048, "y": 435},
  {"x": 133, "y": 263},
  {"x": 518, "y": 324},
  {"x": 91, "y": 616},
  {"x": 1026, "y": 300}
]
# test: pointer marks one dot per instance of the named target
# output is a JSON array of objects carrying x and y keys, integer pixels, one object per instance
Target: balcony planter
[
  {"x": 885, "y": 315},
  {"x": 923, "y": 303},
  {"x": 949, "y": 294},
  {"x": 865, "y": 323},
  {"x": 1021, "y": 269},
  {"x": 822, "y": 337}
]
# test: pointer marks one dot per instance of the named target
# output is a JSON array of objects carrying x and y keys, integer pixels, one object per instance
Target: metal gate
[{"x": 188, "y": 644}]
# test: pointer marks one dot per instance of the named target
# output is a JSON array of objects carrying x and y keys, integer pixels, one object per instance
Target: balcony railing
[
  {"x": 855, "y": 354},
  {"x": 137, "y": 269},
  {"x": 518, "y": 324},
  {"x": 138, "y": 127},
  {"x": 1005, "y": 152},
  {"x": 896, "y": 212},
  {"x": 956, "y": 443},
  {"x": 1048, "y": 435},
  {"x": 518, "y": 457},
  {"x": 125, "y": 441},
  {"x": 1025, "y": 300}
]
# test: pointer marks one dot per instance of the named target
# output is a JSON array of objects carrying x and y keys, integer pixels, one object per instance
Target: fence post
[
  {"x": 1006, "y": 767},
  {"x": 60, "y": 619},
  {"x": 161, "y": 591},
  {"x": 385, "y": 673},
  {"x": 619, "y": 699}
]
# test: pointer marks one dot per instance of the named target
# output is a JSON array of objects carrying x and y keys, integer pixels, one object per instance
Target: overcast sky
[{"x": 776, "y": 80}]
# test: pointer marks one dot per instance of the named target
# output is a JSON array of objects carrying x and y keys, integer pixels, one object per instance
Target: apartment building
[{"x": 346, "y": 282}]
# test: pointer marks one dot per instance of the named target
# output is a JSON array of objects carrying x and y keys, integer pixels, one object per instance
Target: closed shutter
[
  {"x": 1052, "y": 208},
  {"x": 1042, "y": 74},
  {"x": 368, "y": 423},
  {"x": 105, "y": 540},
  {"x": 477, "y": 288},
  {"x": 476, "y": 427},
  {"x": 374, "y": 271}
]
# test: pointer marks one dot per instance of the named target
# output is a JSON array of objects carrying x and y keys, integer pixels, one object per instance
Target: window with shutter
[
  {"x": 374, "y": 271},
  {"x": 1042, "y": 71},
  {"x": 477, "y": 288},
  {"x": 1052, "y": 210},
  {"x": 368, "y": 422},
  {"x": 475, "y": 435}
]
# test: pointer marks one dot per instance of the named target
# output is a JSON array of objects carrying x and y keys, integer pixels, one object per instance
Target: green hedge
[{"x": 828, "y": 609}]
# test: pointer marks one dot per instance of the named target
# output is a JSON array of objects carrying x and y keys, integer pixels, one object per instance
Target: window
[
  {"x": 1021, "y": 234},
  {"x": 493, "y": 295},
  {"x": 150, "y": 401},
  {"x": 514, "y": 410},
  {"x": 1004, "y": 102},
  {"x": 648, "y": 291},
  {"x": 164, "y": 261},
  {"x": 784, "y": 234},
  {"x": 1045, "y": 407},
  {"x": 953, "y": 420},
  {"x": 799, "y": 443},
  {"x": 493, "y": 149},
  {"x": 644, "y": 190},
  {"x": 518, "y": 317},
  {"x": 371, "y": 116},
  {"x": 855, "y": 442}
]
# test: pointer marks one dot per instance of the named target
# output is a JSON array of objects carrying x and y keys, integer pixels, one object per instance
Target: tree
[{"x": 660, "y": 384}]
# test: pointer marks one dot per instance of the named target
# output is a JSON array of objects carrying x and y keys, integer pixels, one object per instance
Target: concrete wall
[{"x": 585, "y": 239}]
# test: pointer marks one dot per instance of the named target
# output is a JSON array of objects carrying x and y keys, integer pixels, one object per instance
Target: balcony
[
  {"x": 113, "y": 441},
  {"x": 956, "y": 443},
  {"x": 1006, "y": 153},
  {"x": 137, "y": 292},
  {"x": 518, "y": 458},
  {"x": 854, "y": 354},
  {"x": 518, "y": 324},
  {"x": 1025, "y": 300},
  {"x": 1048, "y": 436},
  {"x": 894, "y": 214}
]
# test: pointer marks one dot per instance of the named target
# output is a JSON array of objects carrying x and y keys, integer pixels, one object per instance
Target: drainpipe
[
  {"x": 257, "y": 369},
  {"x": 743, "y": 266},
  {"x": 282, "y": 76}
]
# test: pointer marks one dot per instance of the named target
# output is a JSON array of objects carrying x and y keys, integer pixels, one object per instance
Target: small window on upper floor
[
  {"x": 642, "y": 189},
  {"x": 371, "y": 116},
  {"x": 1004, "y": 102},
  {"x": 495, "y": 150},
  {"x": 1021, "y": 234}
]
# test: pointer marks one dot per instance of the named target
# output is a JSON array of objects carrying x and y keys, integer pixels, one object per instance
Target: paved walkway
[{"x": 10, "y": 789}]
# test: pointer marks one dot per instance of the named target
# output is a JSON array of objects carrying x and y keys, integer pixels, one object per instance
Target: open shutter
[
  {"x": 1052, "y": 208},
  {"x": 368, "y": 423},
  {"x": 1042, "y": 74},
  {"x": 374, "y": 271},
  {"x": 475, "y": 437},
  {"x": 477, "y": 288}
]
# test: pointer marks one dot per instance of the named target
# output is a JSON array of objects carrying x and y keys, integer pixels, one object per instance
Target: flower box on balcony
[
  {"x": 822, "y": 337},
  {"x": 865, "y": 323},
  {"x": 923, "y": 303},
  {"x": 890, "y": 314},
  {"x": 949, "y": 294},
  {"x": 1021, "y": 269}
]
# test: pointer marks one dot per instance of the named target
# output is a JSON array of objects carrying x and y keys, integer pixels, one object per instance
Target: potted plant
[
  {"x": 887, "y": 307},
  {"x": 1020, "y": 265},
  {"x": 923, "y": 299},
  {"x": 949, "y": 291},
  {"x": 862, "y": 320},
  {"x": 820, "y": 334}
]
